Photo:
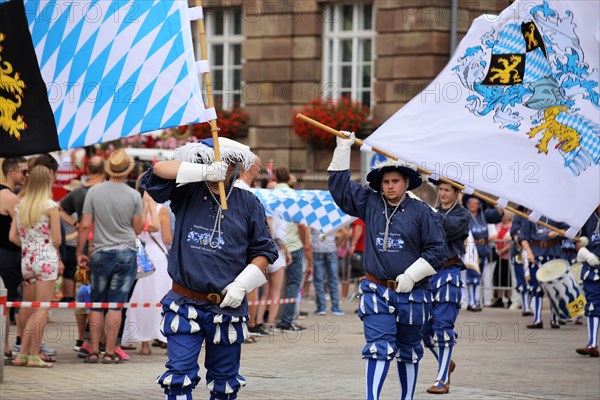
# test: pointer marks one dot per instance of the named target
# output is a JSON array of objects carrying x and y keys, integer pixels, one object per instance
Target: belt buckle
[{"x": 215, "y": 296}]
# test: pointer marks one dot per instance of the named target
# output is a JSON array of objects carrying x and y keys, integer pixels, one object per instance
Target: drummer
[
  {"x": 570, "y": 252},
  {"x": 541, "y": 245},
  {"x": 590, "y": 274}
]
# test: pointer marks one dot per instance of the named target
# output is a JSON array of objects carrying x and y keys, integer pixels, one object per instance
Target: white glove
[
  {"x": 583, "y": 241},
  {"x": 248, "y": 280},
  {"x": 341, "y": 155},
  {"x": 192, "y": 172},
  {"x": 584, "y": 255},
  {"x": 418, "y": 270}
]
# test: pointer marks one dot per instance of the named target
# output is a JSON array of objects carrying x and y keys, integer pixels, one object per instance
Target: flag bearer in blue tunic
[
  {"x": 404, "y": 245},
  {"x": 446, "y": 286},
  {"x": 541, "y": 245},
  {"x": 216, "y": 259},
  {"x": 589, "y": 255}
]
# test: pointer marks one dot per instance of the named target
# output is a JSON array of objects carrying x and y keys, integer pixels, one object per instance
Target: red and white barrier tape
[
  {"x": 3, "y": 303},
  {"x": 269, "y": 302},
  {"x": 56, "y": 304}
]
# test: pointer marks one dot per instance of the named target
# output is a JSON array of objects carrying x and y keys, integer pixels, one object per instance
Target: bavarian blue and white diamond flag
[
  {"x": 314, "y": 208},
  {"x": 515, "y": 112},
  {"x": 111, "y": 68}
]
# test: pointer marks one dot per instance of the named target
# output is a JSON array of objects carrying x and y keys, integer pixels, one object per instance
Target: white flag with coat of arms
[{"x": 515, "y": 113}]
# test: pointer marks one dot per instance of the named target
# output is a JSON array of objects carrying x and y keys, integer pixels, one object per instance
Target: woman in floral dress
[{"x": 36, "y": 229}]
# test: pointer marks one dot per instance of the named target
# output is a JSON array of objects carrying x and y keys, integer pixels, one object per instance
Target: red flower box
[{"x": 342, "y": 114}]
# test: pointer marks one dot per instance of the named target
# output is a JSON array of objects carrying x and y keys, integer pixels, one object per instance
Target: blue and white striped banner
[
  {"x": 115, "y": 68},
  {"x": 314, "y": 208}
]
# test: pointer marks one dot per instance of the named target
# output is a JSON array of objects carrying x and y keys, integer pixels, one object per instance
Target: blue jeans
[
  {"x": 293, "y": 278},
  {"x": 326, "y": 263},
  {"x": 112, "y": 275}
]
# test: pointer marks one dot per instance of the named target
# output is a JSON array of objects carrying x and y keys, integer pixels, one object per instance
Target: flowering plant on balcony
[
  {"x": 342, "y": 114},
  {"x": 231, "y": 123}
]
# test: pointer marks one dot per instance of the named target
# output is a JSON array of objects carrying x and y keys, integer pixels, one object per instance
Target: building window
[
  {"x": 224, "y": 41},
  {"x": 348, "y": 51}
]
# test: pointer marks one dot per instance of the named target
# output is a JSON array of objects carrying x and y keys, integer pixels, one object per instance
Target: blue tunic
[
  {"x": 479, "y": 229},
  {"x": 515, "y": 228},
  {"x": 414, "y": 230},
  {"x": 591, "y": 229},
  {"x": 193, "y": 262},
  {"x": 456, "y": 226},
  {"x": 591, "y": 275},
  {"x": 531, "y": 231}
]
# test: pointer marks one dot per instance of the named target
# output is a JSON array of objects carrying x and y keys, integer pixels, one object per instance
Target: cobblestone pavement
[{"x": 497, "y": 358}]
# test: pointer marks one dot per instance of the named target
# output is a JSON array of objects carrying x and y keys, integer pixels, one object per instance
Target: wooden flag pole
[
  {"x": 460, "y": 187},
  {"x": 211, "y": 103}
]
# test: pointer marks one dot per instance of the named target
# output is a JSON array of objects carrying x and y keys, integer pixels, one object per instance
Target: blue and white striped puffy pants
[
  {"x": 447, "y": 295},
  {"x": 186, "y": 327},
  {"x": 591, "y": 289},
  {"x": 392, "y": 322}
]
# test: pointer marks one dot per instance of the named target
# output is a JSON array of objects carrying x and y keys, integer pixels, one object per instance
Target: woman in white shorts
[{"x": 36, "y": 229}]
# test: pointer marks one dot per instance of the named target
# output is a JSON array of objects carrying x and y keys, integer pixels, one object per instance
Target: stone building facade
[{"x": 285, "y": 50}]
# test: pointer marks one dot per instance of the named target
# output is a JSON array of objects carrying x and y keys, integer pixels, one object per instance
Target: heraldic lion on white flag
[{"x": 515, "y": 112}]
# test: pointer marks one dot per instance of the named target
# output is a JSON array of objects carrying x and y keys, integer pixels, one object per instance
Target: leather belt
[
  {"x": 544, "y": 243},
  {"x": 214, "y": 298},
  {"x": 390, "y": 284},
  {"x": 451, "y": 262},
  {"x": 481, "y": 241}
]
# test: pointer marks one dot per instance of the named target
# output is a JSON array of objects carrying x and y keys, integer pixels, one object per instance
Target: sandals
[
  {"x": 111, "y": 359},
  {"x": 46, "y": 358},
  {"x": 92, "y": 358},
  {"x": 158, "y": 343},
  {"x": 20, "y": 360},
  {"x": 37, "y": 362}
]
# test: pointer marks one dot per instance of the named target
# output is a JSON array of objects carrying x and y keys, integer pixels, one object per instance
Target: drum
[
  {"x": 576, "y": 272},
  {"x": 565, "y": 295}
]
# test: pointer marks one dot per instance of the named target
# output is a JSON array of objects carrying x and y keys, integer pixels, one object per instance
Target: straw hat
[
  {"x": 408, "y": 170},
  {"x": 119, "y": 164},
  {"x": 74, "y": 184}
]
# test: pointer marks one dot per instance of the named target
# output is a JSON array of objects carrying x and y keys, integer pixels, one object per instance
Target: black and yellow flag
[{"x": 26, "y": 120}]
